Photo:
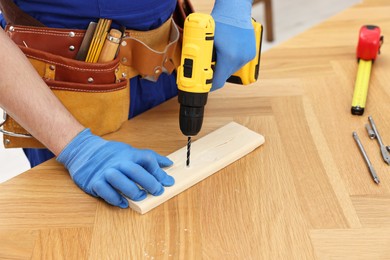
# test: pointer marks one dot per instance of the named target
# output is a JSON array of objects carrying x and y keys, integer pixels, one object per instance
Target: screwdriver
[{"x": 368, "y": 162}]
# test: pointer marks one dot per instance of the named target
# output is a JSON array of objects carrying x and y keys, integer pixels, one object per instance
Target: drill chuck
[{"x": 191, "y": 111}]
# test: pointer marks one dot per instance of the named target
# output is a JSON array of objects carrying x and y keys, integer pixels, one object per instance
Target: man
[{"x": 110, "y": 170}]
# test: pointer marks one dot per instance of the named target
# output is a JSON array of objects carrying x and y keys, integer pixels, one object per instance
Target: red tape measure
[{"x": 370, "y": 41}]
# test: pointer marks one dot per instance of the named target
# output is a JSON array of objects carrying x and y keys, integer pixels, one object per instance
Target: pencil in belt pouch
[
  {"x": 98, "y": 40},
  {"x": 110, "y": 46}
]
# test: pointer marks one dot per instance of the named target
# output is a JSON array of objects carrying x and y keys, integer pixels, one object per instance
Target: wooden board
[{"x": 209, "y": 154}]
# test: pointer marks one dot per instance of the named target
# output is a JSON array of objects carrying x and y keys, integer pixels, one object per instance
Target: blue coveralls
[{"x": 133, "y": 14}]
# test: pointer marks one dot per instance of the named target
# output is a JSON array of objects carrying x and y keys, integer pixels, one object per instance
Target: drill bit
[{"x": 188, "y": 151}]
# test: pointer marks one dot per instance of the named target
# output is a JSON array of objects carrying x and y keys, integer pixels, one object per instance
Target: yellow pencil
[
  {"x": 102, "y": 39},
  {"x": 93, "y": 42}
]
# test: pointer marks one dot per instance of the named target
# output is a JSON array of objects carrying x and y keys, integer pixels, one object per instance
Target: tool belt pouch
[{"x": 97, "y": 94}]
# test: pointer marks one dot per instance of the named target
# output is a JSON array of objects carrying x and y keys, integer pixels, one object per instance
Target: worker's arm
[
  {"x": 25, "y": 97},
  {"x": 234, "y": 41},
  {"x": 99, "y": 167}
]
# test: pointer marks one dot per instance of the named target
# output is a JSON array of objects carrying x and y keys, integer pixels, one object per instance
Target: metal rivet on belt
[
  {"x": 124, "y": 75},
  {"x": 52, "y": 67},
  {"x": 7, "y": 141},
  {"x": 71, "y": 34},
  {"x": 124, "y": 59},
  {"x": 90, "y": 80},
  {"x": 11, "y": 29},
  {"x": 71, "y": 48},
  {"x": 124, "y": 43},
  {"x": 157, "y": 71}
]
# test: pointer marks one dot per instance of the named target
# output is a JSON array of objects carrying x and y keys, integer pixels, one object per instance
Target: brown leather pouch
[
  {"x": 150, "y": 53},
  {"x": 95, "y": 93}
]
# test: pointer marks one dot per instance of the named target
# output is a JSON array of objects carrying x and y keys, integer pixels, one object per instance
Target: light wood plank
[
  {"x": 317, "y": 196},
  {"x": 67, "y": 243},
  {"x": 17, "y": 244},
  {"x": 359, "y": 244},
  {"x": 208, "y": 155},
  {"x": 330, "y": 167},
  {"x": 60, "y": 203},
  {"x": 373, "y": 211}
]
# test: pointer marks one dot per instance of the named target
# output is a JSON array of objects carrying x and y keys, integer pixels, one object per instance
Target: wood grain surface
[{"x": 305, "y": 194}]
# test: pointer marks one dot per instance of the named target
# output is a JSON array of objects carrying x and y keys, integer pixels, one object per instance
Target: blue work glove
[
  {"x": 111, "y": 170},
  {"x": 234, "y": 38}
]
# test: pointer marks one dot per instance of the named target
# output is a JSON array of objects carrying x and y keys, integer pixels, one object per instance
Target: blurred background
[{"x": 282, "y": 19}]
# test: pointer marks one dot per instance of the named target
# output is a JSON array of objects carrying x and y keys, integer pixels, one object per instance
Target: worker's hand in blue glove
[
  {"x": 234, "y": 38},
  {"x": 111, "y": 170}
]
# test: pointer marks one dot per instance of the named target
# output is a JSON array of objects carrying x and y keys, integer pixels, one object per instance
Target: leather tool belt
[{"x": 97, "y": 94}]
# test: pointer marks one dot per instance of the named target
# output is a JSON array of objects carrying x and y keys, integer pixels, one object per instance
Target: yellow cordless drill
[{"x": 195, "y": 73}]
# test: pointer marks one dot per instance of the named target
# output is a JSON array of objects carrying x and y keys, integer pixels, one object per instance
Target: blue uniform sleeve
[{"x": 2, "y": 21}]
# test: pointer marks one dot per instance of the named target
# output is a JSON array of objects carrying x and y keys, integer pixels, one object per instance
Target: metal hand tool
[
  {"x": 370, "y": 133},
  {"x": 368, "y": 162},
  {"x": 385, "y": 153},
  {"x": 83, "y": 50}
]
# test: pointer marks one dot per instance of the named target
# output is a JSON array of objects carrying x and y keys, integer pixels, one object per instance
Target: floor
[{"x": 291, "y": 17}]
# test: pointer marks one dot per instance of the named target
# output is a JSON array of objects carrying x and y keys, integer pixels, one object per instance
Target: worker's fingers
[
  {"x": 104, "y": 190},
  {"x": 123, "y": 184},
  {"x": 140, "y": 176},
  {"x": 152, "y": 162},
  {"x": 163, "y": 161},
  {"x": 222, "y": 72}
]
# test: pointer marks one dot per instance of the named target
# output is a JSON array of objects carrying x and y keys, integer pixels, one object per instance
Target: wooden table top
[{"x": 306, "y": 193}]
